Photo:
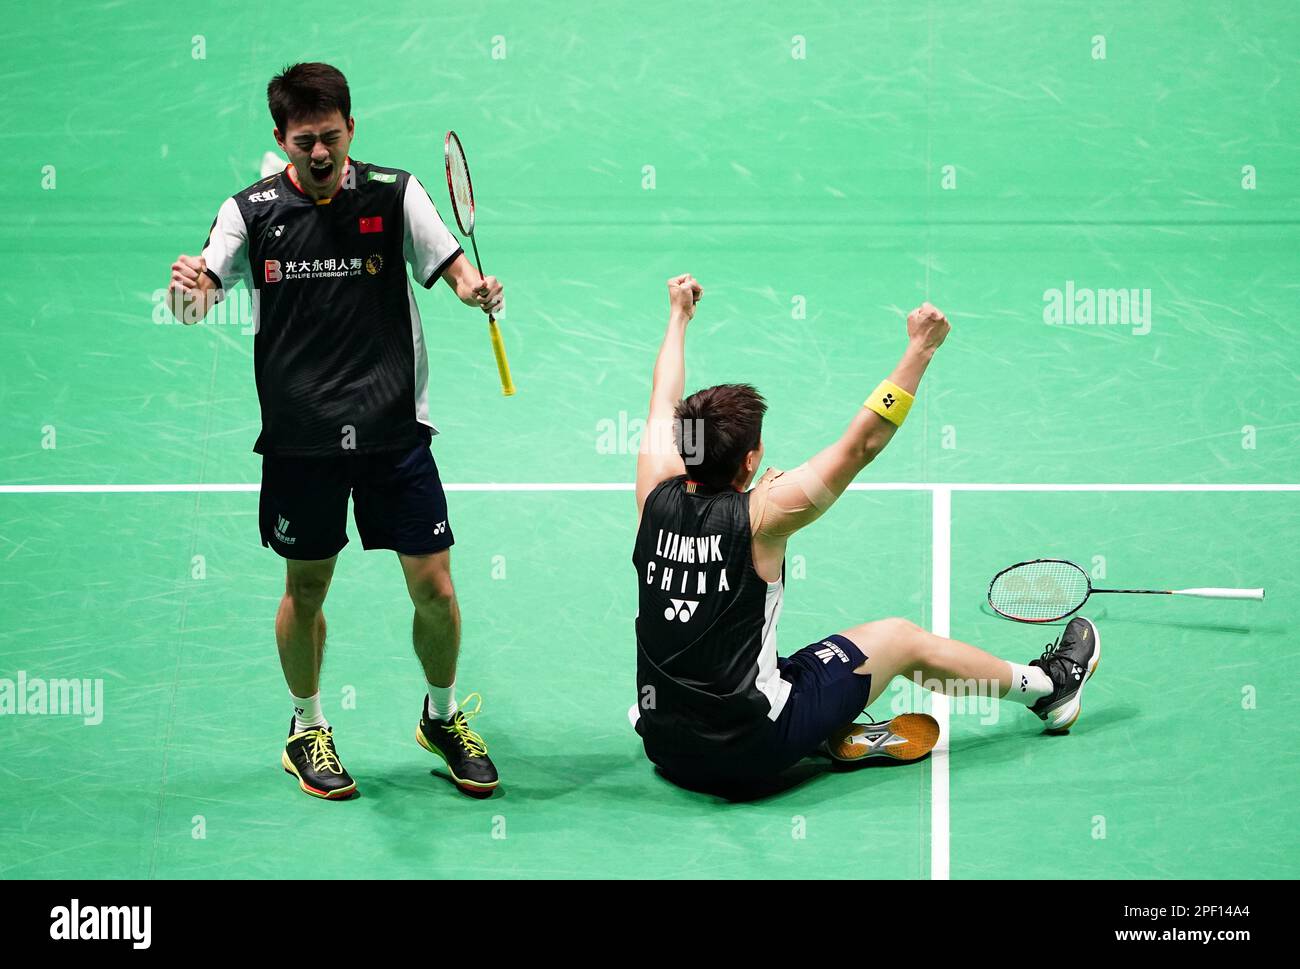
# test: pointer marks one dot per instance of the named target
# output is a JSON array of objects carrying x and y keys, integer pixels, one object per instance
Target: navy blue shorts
[
  {"x": 825, "y": 695},
  {"x": 397, "y": 497}
]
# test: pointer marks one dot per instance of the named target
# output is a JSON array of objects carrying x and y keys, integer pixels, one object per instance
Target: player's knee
[
  {"x": 905, "y": 634},
  {"x": 432, "y": 591},
  {"x": 898, "y": 628},
  {"x": 307, "y": 593}
]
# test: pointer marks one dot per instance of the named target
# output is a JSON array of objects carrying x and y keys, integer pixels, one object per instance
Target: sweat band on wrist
[{"x": 891, "y": 402}]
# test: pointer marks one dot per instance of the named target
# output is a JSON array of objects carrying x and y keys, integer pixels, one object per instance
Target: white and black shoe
[{"x": 1069, "y": 663}]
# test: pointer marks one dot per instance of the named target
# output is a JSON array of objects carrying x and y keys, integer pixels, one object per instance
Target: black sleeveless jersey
[
  {"x": 706, "y": 623},
  {"x": 339, "y": 354}
]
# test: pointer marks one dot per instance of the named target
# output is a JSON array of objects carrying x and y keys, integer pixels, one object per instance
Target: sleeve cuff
[
  {"x": 214, "y": 277},
  {"x": 433, "y": 277}
]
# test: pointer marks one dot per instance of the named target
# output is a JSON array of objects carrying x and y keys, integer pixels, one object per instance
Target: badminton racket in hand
[
  {"x": 462, "y": 205},
  {"x": 1046, "y": 590}
]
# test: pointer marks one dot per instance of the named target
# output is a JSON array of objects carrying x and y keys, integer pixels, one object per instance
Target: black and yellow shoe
[
  {"x": 464, "y": 750},
  {"x": 909, "y": 736},
  {"x": 310, "y": 756},
  {"x": 1069, "y": 663}
]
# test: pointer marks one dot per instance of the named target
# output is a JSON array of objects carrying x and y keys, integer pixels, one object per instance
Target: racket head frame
[
  {"x": 452, "y": 150},
  {"x": 1009, "y": 568}
]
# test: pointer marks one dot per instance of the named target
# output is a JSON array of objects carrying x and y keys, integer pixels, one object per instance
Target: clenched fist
[
  {"x": 683, "y": 293},
  {"x": 191, "y": 291},
  {"x": 927, "y": 327},
  {"x": 186, "y": 271}
]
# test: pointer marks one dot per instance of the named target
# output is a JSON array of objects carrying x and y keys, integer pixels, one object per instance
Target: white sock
[
  {"x": 1029, "y": 684},
  {"x": 442, "y": 701},
  {"x": 306, "y": 712}
]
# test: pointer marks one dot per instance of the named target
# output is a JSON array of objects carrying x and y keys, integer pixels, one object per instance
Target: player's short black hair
[
  {"x": 723, "y": 424},
  {"x": 307, "y": 90}
]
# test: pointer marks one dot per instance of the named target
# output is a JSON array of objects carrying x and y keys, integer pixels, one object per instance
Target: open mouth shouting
[{"x": 321, "y": 174}]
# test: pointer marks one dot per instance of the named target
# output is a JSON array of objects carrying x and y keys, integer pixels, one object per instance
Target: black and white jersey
[
  {"x": 706, "y": 624},
  {"x": 339, "y": 355}
]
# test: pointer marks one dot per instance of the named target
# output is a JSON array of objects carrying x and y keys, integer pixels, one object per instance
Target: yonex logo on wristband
[{"x": 890, "y": 401}]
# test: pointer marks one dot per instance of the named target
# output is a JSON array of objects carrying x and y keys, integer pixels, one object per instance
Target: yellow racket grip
[{"x": 503, "y": 365}]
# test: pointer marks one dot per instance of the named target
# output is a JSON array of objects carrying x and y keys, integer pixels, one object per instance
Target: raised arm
[
  {"x": 659, "y": 459},
  {"x": 800, "y": 497}
]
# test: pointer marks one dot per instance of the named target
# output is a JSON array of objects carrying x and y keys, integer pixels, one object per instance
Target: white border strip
[
  {"x": 577, "y": 486},
  {"x": 940, "y": 625}
]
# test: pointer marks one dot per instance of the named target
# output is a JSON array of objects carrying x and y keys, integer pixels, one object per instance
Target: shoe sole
[
  {"x": 472, "y": 788},
  {"x": 909, "y": 736},
  {"x": 1076, "y": 701},
  {"x": 341, "y": 794}
]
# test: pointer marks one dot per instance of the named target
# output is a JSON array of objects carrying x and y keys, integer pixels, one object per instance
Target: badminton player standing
[
  {"x": 342, "y": 378},
  {"x": 717, "y": 707}
]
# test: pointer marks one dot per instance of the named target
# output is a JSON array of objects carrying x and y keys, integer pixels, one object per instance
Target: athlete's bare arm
[
  {"x": 658, "y": 459},
  {"x": 798, "y": 498},
  {"x": 463, "y": 278}
]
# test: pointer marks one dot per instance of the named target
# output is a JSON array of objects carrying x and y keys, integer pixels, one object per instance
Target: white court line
[
  {"x": 940, "y": 611},
  {"x": 941, "y": 556},
  {"x": 577, "y": 486}
]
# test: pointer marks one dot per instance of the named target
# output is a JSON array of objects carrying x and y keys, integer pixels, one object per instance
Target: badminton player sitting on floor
[
  {"x": 716, "y": 705},
  {"x": 342, "y": 377}
]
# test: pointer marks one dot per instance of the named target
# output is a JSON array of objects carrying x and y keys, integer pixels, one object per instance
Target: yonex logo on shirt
[
  {"x": 682, "y": 609},
  {"x": 439, "y": 528}
]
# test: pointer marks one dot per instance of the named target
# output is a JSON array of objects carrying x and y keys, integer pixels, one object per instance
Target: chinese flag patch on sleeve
[{"x": 373, "y": 223}]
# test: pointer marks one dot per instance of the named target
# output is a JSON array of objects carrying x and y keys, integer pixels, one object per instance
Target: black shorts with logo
[
  {"x": 397, "y": 496},
  {"x": 825, "y": 694}
]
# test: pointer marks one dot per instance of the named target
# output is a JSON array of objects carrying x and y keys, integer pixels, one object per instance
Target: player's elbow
[{"x": 867, "y": 449}]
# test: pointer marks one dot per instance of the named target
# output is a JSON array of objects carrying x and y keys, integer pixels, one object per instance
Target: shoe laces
[
  {"x": 322, "y": 754},
  {"x": 1051, "y": 649},
  {"x": 473, "y": 744}
]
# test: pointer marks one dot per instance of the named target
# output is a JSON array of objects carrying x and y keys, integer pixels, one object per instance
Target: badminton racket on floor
[
  {"x": 461, "y": 190},
  {"x": 1046, "y": 590}
]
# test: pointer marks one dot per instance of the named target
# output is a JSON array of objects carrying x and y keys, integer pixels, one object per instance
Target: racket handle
[
  {"x": 503, "y": 365},
  {"x": 1221, "y": 593}
]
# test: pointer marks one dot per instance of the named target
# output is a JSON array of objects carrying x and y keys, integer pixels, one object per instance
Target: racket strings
[
  {"x": 1039, "y": 591},
  {"x": 459, "y": 185}
]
